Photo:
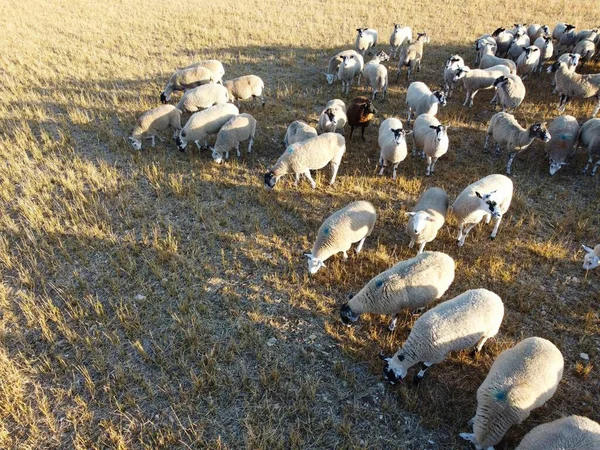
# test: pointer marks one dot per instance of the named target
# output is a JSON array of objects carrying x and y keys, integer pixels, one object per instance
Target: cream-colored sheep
[
  {"x": 570, "y": 84},
  {"x": 411, "y": 56},
  {"x": 528, "y": 61},
  {"x": 215, "y": 66},
  {"x": 376, "y": 75},
  {"x": 392, "y": 144},
  {"x": 510, "y": 92},
  {"x": 333, "y": 117},
  {"x": 236, "y": 130},
  {"x": 475, "y": 80},
  {"x": 489, "y": 59},
  {"x": 427, "y": 217},
  {"x": 244, "y": 87},
  {"x": 185, "y": 79},
  {"x": 334, "y": 64},
  {"x": 203, "y": 97},
  {"x": 365, "y": 40},
  {"x": 568, "y": 433},
  {"x": 298, "y": 131},
  {"x": 420, "y": 100},
  {"x": 152, "y": 122},
  {"x": 400, "y": 37},
  {"x": 564, "y": 131},
  {"x": 351, "y": 67},
  {"x": 453, "y": 63},
  {"x": 431, "y": 137},
  {"x": 205, "y": 123}
]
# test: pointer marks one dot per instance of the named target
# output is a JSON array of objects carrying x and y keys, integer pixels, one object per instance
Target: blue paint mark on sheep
[
  {"x": 290, "y": 150},
  {"x": 379, "y": 283},
  {"x": 326, "y": 229},
  {"x": 500, "y": 396},
  {"x": 564, "y": 137}
]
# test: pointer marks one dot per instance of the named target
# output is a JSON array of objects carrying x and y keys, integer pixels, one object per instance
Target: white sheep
[
  {"x": 517, "y": 46},
  {"x": 453, "y": 63},
  {"x": 353, "y": 223},
  {"x": 488, "y": 197},
  {"x": 351, "y": 67},
  {"x": 187, "y": 78},
  {"x": 244, "y": 87},
  {"x": 567, "y": 40},
  {"x": 376, "y": 75},
  {"x": 427, "y": 217},
  {"x": 152, "y": 122},
  {"x": 410, "y": 284},
  {"x": 392, "y": 144},
  {"x": 333, "y": 117},
  {"x": 591, "y": 260},
  {"x": 510, "y": 92},
  {"x": 365, "y": 39},
  {"x": 205, "y": 123},
  {"x": 431, "y": 137},
  {"x": 312, "y": 154},
  {"x": 203, "y": 97},
  {"x": 568, "y": 433},
  {"x": 564, "y": 131},
  {"x": 400, "y": 37},
  {"x": 544, "y": 43},
  {"x": 298, "y": 131},
  {"x": 534, "y": 31},
  {"x": 589, "y": 137},
  {"x": 528, "y": 61},
  {"x": 490, "y": 60},
  {"x": 236, "y": 130},
  {"x": 558, "y": 31},
  {"x": 570, "y": 60},
  {"x": 570, "y": 84},
  {"x": 586, "y": 48},
  {"x": 521, "y": 379},
  {"x": 215, "y": 66},
  {"x": 465, "y": 321},
  {"x": 475, "y": 80},
  {"x": 504, "y": 40},
  {"x": 486, "y": 39},
  {"x": 420, "y": 100},
  {"x": 507, "y": 133},
  {"x": 334, "y": 64},
  {"x": 411, "y": 56},
  {"x": 593, "y": 152}
]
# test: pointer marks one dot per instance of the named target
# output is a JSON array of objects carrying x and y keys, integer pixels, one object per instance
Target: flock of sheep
[{"x": 523, "y": 377}]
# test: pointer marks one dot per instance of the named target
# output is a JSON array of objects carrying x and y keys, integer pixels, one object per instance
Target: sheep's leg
[
  {"x": 496, "y": 226},
  {"x": 297, "y": 179},
  {"x": 237, "y": 148},
  {"x": 309, "y": 178},
  {"x": 414, "y": 149},
  {"x": 411, "y": 243},
  {"x": 488, "y": 217},
  {"x": 497, "y": 150},
  {"x": 589, "y": 162},
  {"x": 351, "y": 130},
  {"x": 227, "y": 154},
  {"x": 392, "y": 324},
  {"x": 597, "y": 108},
  {"x": 345, "y": 255},
  {"x": 494, "y": 101},
  {"x": 424, "y": 366},
  {"x": 360, "y": 245},
  {"x": 409, "y": 114},
  {"x": 197, "y": 142},
  {"x": 394, "y": 171},
  {"x": 421, "y": 247},
  {"x": 486, "y": 142},
  {"x": 481, "y": 342},
  {"x": 466, "y": 103},
  {"x": 153, "y": 138},
  {"x": 511, "y": 158},
  {"x": 461, "y": 240},
  {"x": 428, "y": 172},
  {"x": 471, "y": 99},
  {"x": 434, "y": 160},
  {"x": 422, "y": 154},
  {"x": 398, "y": 74},
  {"x": 262, "y": 100},
  {"x": 363, "y": 133},
  {"x": 419, "y": 66},
  {"x": 250, "y": 142},
  {"x": 334, "y": 171},
  {"x": 382, "y": 165},
  {"x": 595, "y": 167}
]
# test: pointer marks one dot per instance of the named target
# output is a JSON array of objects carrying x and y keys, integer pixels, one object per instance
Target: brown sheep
[{"x": 360, "y": 113}]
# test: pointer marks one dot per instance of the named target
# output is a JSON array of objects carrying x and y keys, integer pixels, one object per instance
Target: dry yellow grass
[{"x": 140, "y": 292}]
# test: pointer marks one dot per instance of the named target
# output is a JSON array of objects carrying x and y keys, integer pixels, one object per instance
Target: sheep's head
[
  {"x": 539, "y": 130},
  {"x": 500, "y": 80},
  {"x": 369, "y": 108},
  {"x": 461, "y": 72},
  {"x": 490, "y": 205},
  {"x": 420, "y": 219},
  {"x": 440, "y": 131},
  {"x": 545, "y": 29},
  {"x": 270, "y": 180},
  {"x": 591, "y": 260},
  {"x": 555, "y": 166},
  {"x": 383, "y": 56},
  {"x": 330, "y": 113},
  {"x": 530, "y": 51},
  {"x": 135, "y": 142},
  {"x": 361, "y": 31},
  {"x": 346, "y": 60},
  {"x": 569, "y": 28},
  {"x": 574, "y": 59},
  {"x": 394, "y": 371},
  {"x": 181, "y": 144},
  {"x": 441, "y": 97},
  {"x": 330, "y": 77},
  {"x": 497, "y": 31},
  {"x": 453, "y": 61},
  {"x": 314, "y": 263},
  {"x": 348, "y": 317},
  {"x": 217, "y": 157},
  {"x": 397, "y": 26},
  {"x": 164, "y": 98},
  {"x": 423, "y": 38},
  {"x": 399, "y": 134}
]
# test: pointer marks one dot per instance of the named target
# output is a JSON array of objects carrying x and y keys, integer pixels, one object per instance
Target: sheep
[
  {"x": 521, "y": 379},
  {"x": 376, "y": 75},
  {"x": 518, "y": 29},
  {"x": 535, "y": 31},
  {"x": 365, "y": 39},
  {"x": 567, "y": 39},
  {"x": 571, "y": 60},
  {"x": 312, "y": 154},
  {"x": 244, "y": 87},
  {"x": 334, "y": 64},
  {"x": 509, "y": 134},
  {"x": 593, "y": 152},
  {"x": 202, "y": 97},
  {"x": 544, "y": 43},
  {"x": 412, "y": 284},
  {"x": 503, "y": 42},
  {"x": 187, "y": 78},
  {"x": 392, "y": 144},
  {"x": 400, "y": 37},
  {"x": 589, "y": 137},
  {"x": 420, "y": 100},
  {"x": 333, "y": 117},
  {"x": 572, "y": 84},
  {"x": 353, "y": 223},
  {"x": 298, "y": 131},
  {"x": 558, "y": 31},
  {"x": 427, "y": 217},
  {"x": 528, "y": 61},
  {"x": 568, "y": 433},
  {"x": 564, "y": 131},
  {"x": 360, "y": 114},
  {"x": 151, "y": 122},
  {"x": 517, "y": 46},
  {"x": 215, "y": 66},
  {"x": 488, "y": 197},
  {"x": 586, "y": 48},
  {"x": 591, "y": 260},
  {"x": 411, "y": 56},
  {"x": 480, "y": 43},
  {"x": 351, "y": 67},
  {"x": 510, "y": 92},
  {"x": 431, "y": 137},
  {"x": 489, "y": 60},
  {"x": 467, "y": 320},
  {"x": 477, "y": 79},
  {"x": 205, "y": 123},
  {"x": 237, "y": 129},
  {"x": 453, "y": 63},
  {"x": 586, "y": 34}
]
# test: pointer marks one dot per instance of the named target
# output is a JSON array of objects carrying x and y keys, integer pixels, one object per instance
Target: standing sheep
[
  {"x": 215, "y": 66},
  {"x": 586, "y": 48},
  {"x": 510, "y": 92},
  {"x": 488, "y": 197},
  {"x": 410, "y": 284},
  {"x": 567, "y": 40},
  {"x": 203, "y": 97},
  {"x": 481, "y": 43},
  {"x": 400, "y": 38},
  {"x": 298, "y": 131},
  {"x": 353, "y": 223},
  {"x": 366, "y": 39},
  {"x": 205, "y": 123},
  {"x": 420, "y": 100},
  {"x": 411, "y": 56},
  {"x": 591, "y": 260},
  {"x": 152, "y": 122},
  {"x": 490, "y": 60},
  {"x": 568, "y": 433},
  {"x": 544, "y": 43},
  {"x": 351, "y": 67},
  {"x": 528, "y": 61},
  {"x": 427, "y": 217},
  {"x": 535, "y": 31},
  {"x": 376, "y": 75},
  {"x": 392, "y": 144},
  {"x": 564, "y": 131},
  {"x": 237, "y": 129},
  {"x": 360, "y": 114},
  {"x": 503, "y": 42},
  {"x": 453, "y": 63},
  {"x": 333, "y": 117},
  {"x": 589, "y": 137},
  {"x": 521, "y": 379},
  {"x": 518, "y": 46},
  {"x": 312, "y": 154},
  {"x": 467, "y": 320},
  {"x": 244, "y": 87},
  {"x": 184, "y": 79},
  {"x": 431, "y": 137},
  {"x": 334, "y": 63},
  {"x": 593, "y": 152},
  {"x": 475, "y": 80},
  {"x": 559, "y": 30}
]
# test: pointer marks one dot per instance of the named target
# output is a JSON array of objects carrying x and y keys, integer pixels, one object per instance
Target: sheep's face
[
  {"x": 491, "y": 206},
  {"x": 555, "y": 166},
  {"x": 423, "y": 38},
  {"x": 498, "y": 31},
  {"x": 369, "y": 108},
  {"x": 454, "y": 62},
  {"x": 394, "y": 371},
  {"x": 440, "y": 131},
  {"x": 181, "y": 144},
  {"x": 270, "y": 180},
  {"x": 397, "y": 26},
  {"x": 331, "y": 116},
  {"x": 500, "y": 80},
  {"x": 361, "y": 31},
  {"x": 135, "y": 143},
  {"x": 540, "y": 131},
  {"x": 398, "y": 135},
  {"x": 590, "y": 260},
  {"x": 420, "y": 219},
  {"x": 217, "y": 157},
  {"x": 440, "y": 97},
  {"x": 348, "y": 317},
  {"x": 314, "y": 264},
  {"x": 330, "y": 78},
  {"x": 545, "y": 29},
  {"x": 461, "y": 72},
  {"x": 164, "y": 98},
  {"x": 383, "y": 56},
  {"x": 347, "y": 60}
]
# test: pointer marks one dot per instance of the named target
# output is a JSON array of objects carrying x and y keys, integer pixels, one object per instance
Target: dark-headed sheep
[{"x": 360, "y": 114}]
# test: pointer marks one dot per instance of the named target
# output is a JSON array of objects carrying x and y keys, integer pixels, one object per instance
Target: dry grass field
[{"x": 156, "y": 300}]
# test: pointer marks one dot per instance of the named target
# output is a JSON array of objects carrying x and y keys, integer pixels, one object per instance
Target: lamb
[
  {"x": 572, "y": 84},
  {"x": 431, "y": 137},
  {"x": 411, "y": 56},
  {"x": 360, "y": 114},
  {"x": 366, "y": 39},
  {"x": 528, "y": 61},
  {"x": 427, "y": 217},
  {"x": 521, "y": 379},
  {"x": 353, "y": 223},
  {"x": 237, "y": 129},
  {"x": 520, "y": 42},
  {"x": 453, "y": 63},
  {"x": 203, "y": 97},
  {"x": 567, "y": 39},
  {"x": 421, "y": 100},
  {"x": 298, "y": 131},
  {"x": 488, "y": 197},
  {"x": 510, "y": 92},
  {"x": 564, "y": 131},
  {"x": 535, "y": 31},
  {"x": 509, "y": 134},
  {"x": 152, "y": 122},
  {"x": 544, "y": 43},
  {"x": 215, "y": 66},
  {"x": 244, "y": 87},
  {"x": 489, "y": 60},
  {"x": 477, "y": 79},
  {"x": 205, "y": 123},
  {"x": 589, "y": 137},
  {"x": 334, "y": 64},
  {"x": 467, "y": 320},
  {"x": 410, "y": 284},
  {"x": 351, "y": 67},
  {"x": 376, "y": 75},
  {"x": 586, "y": 48},
  {"x": 400, "y": 37},
  {"x": 392, "y": 143},
  {"x": 187, "y": 78},
  {"x": 570, "y": 433},
  {"x": 592, "y": 258},
  {"x": 312, "y": 154}
]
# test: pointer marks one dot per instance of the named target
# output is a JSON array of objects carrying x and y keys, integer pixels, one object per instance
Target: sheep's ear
[
  {"x": 478, "y": 194},
  {"x": 524, "y": 48},
  {"x": 308, "y": 255},
  {"x": 433, "y": 127},
  {"x": 411, "y": 214},
  {"x": 587, "y": 249},
  {"x": 409, "y": 132}
]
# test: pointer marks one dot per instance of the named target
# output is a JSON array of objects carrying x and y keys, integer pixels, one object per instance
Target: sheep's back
[
  {"x": 572, "y": 433},
  {"x": 314, "y": 153},
  {"x": 211, "y": 119}
]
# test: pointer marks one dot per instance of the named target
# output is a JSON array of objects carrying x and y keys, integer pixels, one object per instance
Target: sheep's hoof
[
  {"x": 492, "y": 237},
  {"x": 417, "y": 379}
]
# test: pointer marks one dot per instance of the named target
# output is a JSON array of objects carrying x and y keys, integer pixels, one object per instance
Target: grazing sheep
[
  {"x": 152, "y": 122},
  {"x": 564, "y": 131},
  {"x": 360, "y": 114},
  {"x": 544, "y": 43},
  {"x": 431, "y": 137},
  {"x": 571, "y": 84},
  {"x": 392, "y": 144},
  {"x": 237, "y": 129},
  {"x": 411, "y": 56},
  {"x": 508, "y": 133},
  {"x": 589, "y": 137},
  {"x": 410, "y": 284},
  {"x": 298, "y": 131},
  {"x": 535, "y": 31},
  {"x": 510, "y": 92},
  {"x": 365, "y": 39},
  {"x": 353, "y": 223},
  {"x": 333, "y": 117},
  {"x": 203, "y": 97},
  {"x": 475, "y": 80},
  {"x": 567, "y": 40},
  {"x": 528, "y": 61},
  {"x": 376, "y": 75},
  {"x": 215, "y": 66},
  {"x": 400, "y": 37},
  {"x": 521, "y": 379},
  {"x": 334, "y": 64},
  {"x": 312, "y": 154},
  {"x": 351, "y": 67},
  {"x": 244, "y": 87},
  {"x": 184, "y": 79},
  {"x": 568, "y": 433},
  {"x": 205, "y": 123},
  {"x": 427, "y": 217},
  {"x": 586, "y": 48},
  {"x": 467, "y": 320},
  {"x": 591, "y": 260},
  {"x": 420, "y": 100},
  {"x": 489, "y": 60},
  {"x": 453, "y": 63},
  {"x": 488, "y": 197}
]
